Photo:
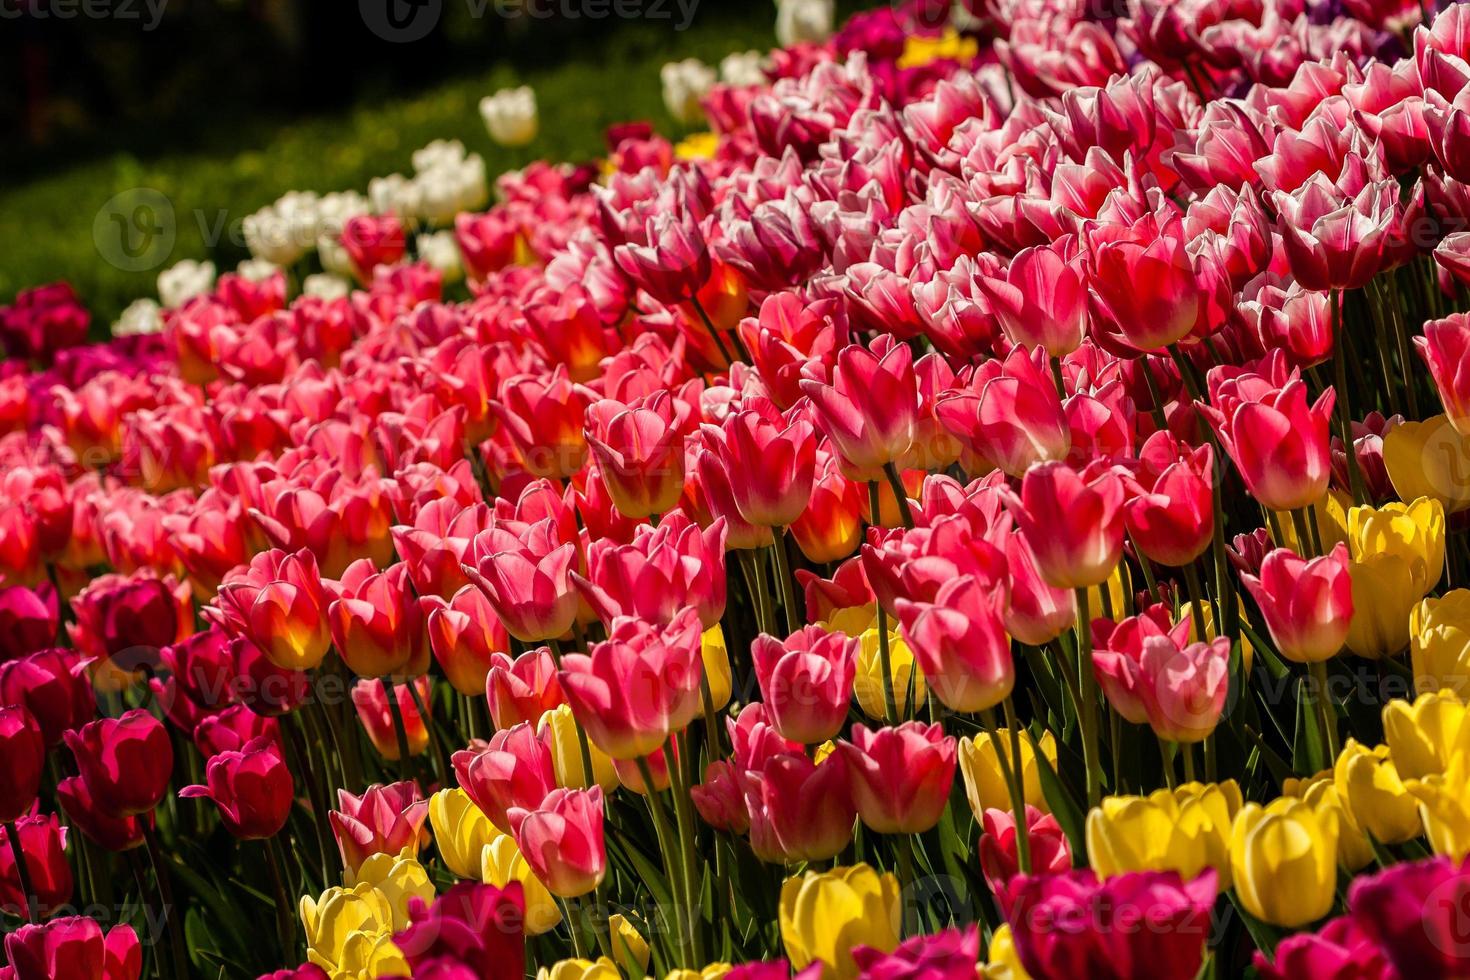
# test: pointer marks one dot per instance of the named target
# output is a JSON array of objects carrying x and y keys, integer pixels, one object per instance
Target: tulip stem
[
  {"x": 895, "y": 481},
  {"x": 1148, "y": 573},
  {"x": 1303, "y": 535},
  {"x": 165, "y": 886},
  {"x": 400, "y": 731},
  {"x": 1322, "y": 696},
  {"x": 1168, "y": 750},
  {"x": 298, "y": 754},
  {"x": 1058, "y": 378},
  {"x": 904, "y": 845},
  {"x": 582, "y": 747},
  {"x": 1344, "y": 412},
  {"x": 1187, "y": 750},
  {"x": 1196, "y": 604},
  {"x": 1087, "y": 717},
  {"x": 684, "y": 815},
  {"x": 285, "y": 924},
  {"x": 783, "y": 572},
  {"x": 755, "y": 583},
  {"x": 1012, "y": 776},
  {"x": 23, "y": 870},
  {"x": 441, "y": 764},
  {"x": 710, "y": 326},
  {"x": 661, "y": 831}
]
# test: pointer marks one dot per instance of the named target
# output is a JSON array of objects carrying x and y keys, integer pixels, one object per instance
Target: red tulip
[
  {"x": 999, "y": 857},
  {"x": 523, "y": 689},
  {"x": 1340, "y": 949},
  {"x": 638, "y": 686},
  {"x": 1445, "y": 347},
  {"x": 1040, "y": 299},
  {"x": 561, "y": 840},
  {"x": 769, "y": 459},
  {"x": 51, "y": 685},
  {"x": 370, "y": 698},
  {"x": 806, "y": 681},
  {"x": 112, "y": 833},
  {"x": 471, "y": 932},
  {"x": 280, "y": 604},
  {"x": 1171, "y": 517},
  {"x": 43, "y": 842},
  {"x": 870, "y": 408},
  {"x": 831, "y": 526},
  {"x": 1037, "y": 612},
  {"x": 544, "y": 416},
  {"x": 526, "y": 579},
  {"x": 126, "y": 762},
  {"x": 28, "y": 619},
  {"x": 514, "y": 769},
  {"x": 466, "y": 636},
  {"x": 640, "y": 453},
  {"x": 720, "y": 799},
  {"x": 202, "y": 667},
  {"x": 1009, "y": 414},
  {"x": 950, "y": 954},
  {"x": 252, "y": 788},
  {"x": 127, "y": 619},
  {"x": 263, "y": 687},
  {"x": 674, "y": 263},
  {"x": 901, "y": 777},
  {"x": 1307, "y": 605},
  {"x": 371, "y": 241},
  {"x": 1337, "y": 240},
  {"x": 785, "y": 826},
  {"x": 377, "y": 622},
  {"x": 1411, "y": 913},
  {"x": 74, "y": 948},
  {"x": 1280, "y": 444},
  {"x": 960, "y": 643},
  {"x": 231, "y": 729},
  {"x": 664, "y": 571},
  {"x": 383, "y": 820},
  {"x": 1074, "y": 524}
]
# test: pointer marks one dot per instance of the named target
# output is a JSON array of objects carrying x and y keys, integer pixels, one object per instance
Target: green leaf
[{"x": 1064, "y": 807}]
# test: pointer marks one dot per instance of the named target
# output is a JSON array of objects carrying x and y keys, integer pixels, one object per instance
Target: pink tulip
[
  {"x": 561, "y": 839},
  {"x": 513, "y": 770},
  {"x": 52, "y": 686},
  {"x": 1040, "y": 299},
  {"x": 1171, "y": 518},
  {"x": 785, "y": 826},
  {"x": 1009, "y": 415},
  {"x": 377, "y": 622},
  {"x": 126, "y": 762},
  {"x": 383, "y": 820},
  {"x": 1307, "y": 605},
  {"x": 720, "y": 799},
  {"x": 1151, "y": 673},
  {"x": 74, "y": 948},
  {"x": 1280, "y": 444},
  {"x": 526, "y": 579},
  {"x": 252, "y": 788},
  {"x": 870, "y": 408},
  {"x": 1340, "y": 948},
  {"x": 999, "y": 855},
  {"x": 663, "y": 572},
  {"x": 1445, "y": 348},
  {"x": 806, "y": 681},
  {"x": 22, "y": 757},
  {"x": 280, "y": 604},
  {"x": 901, "y": 777},
  {"x": 640, "y": 453},
  {"x": 522, "y": 689},
  {"x": 466, "y": 636},
  {"x": 960, "y": 643},
  {"x": 1074, "y": 524},
  {"x": 1037, "y": 612},
  {"x": 769, "y": 459}
]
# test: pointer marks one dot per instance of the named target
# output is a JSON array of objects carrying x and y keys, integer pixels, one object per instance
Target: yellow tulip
[
  {"x": 1439, "y": 643},
  {"x": 1414, "y": 532},
  {"x": 1283, "y": 859},
  {"x": 398, "y": 879},
  {"x": 824, "y": 914},
  {"x": 566, "y": 752},
  {"x": 920, "y": 50},
  {"x": 602, "y": 969},
  {"x": 1426, "y": 734},
  {"x": 629, "y": 946},
  {"x": 716, "y": 665},
  {"x": 1429, "y": 459},
  {"x": 1247, "y": 652},
  {"x": 1444, "y": 806},
  {"x": 985, "y": 788},
  {"x": 697, "y": 146},
  {"x": 1185, "y": 830},
  {"x": 501, "y": 862},
  {"x": 1385, "y": 589},
  {"x": 852, "y": 620},
  {"x": 461, "y": 831},
  {"x": 1119, "y": 584},
  {"x": 1320, "y": 793},
  {"x": 822, "y": 751},
  {"x": 1002, "y": 960},
  {"x": 1369, "y": 783},
  {"x": 712, "y": 972},
  {"x": 349, "y": 933},
  {"x": 868, "y": 685},
  {"x": 1331, "y": 517}
]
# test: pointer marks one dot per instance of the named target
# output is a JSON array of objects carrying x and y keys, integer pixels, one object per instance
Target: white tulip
[
  {"x": 685, "y": 84},
  {"x": 142, "y": 316},
  {"x": 183, "y": 281},
  {"x": 325, "y": 286},
  {"x": 510, "y": 115},
  {"x": 743, "y": 68},
  {"x": 256, "y": 270},
  {"x": 441, "y": 250},
  {"x": 803, "y": 20}
]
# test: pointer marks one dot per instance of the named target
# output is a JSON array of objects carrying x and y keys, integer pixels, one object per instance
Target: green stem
[
  {"x": 1325, "y": 711},
  {"x": 1088, "y": 696},
  {"x": 1344, "y": 412},
  {"x": 1303, "y": 534},
  {"x": 664, "y": 835},
  {"x": 23, "y": 870},
  {"x": 400, "y": 730},
  {"x": 584, "y": 749},
  {"x": 895, "y": 481},
  {"x": 1015, "y": 787},
  {"x": 441, "y": 762},
  {"x": 710, "y": 326},
  {"x": 1188, "y": 752},
  {"x": 783, "y": 573},
  {"x": 164, "y": 882},
  {"x": 285, "y": 921},
  {"x": 689, "y": 864},
  {"x": 1191, "y": 579}
]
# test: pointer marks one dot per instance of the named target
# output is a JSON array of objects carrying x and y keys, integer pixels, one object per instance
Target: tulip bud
[
  {"x": 126, "y": 762},
  {"x": 1308, "y": 605},
  {"x": 901, "y": 776},
  {"x": 985, "y": 786},
  {"x": 461, "y": 832},
  {"x": 561, "y": 840},
  {"x": 1368, "y": 782},
  {"x": 1185, "y": 830},
  {"x": 22, "y": 757},
  {"x": 1283, "y": 859},
  {"x": 827, "y": 914},
  {"x": 252, "y": 788},
  {"x": 43, "y": 843},
  {"x": 383, "y": 820}
]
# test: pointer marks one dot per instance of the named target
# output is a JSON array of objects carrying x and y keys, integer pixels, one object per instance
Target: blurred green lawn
[{"x": 48, "y": 223}]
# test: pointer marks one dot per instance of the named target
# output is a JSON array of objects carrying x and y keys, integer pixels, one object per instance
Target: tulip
[
  {"x": 28, "y": 619},
  {"x": 949, "y": 954},
  {"x": 526, "y": 580},
  {"x": 831, "y": 527},
  {"x": 461, "y": 831},
  {"x": 1319, "y": 792},
  {"x": 74, "y": 947},
  {"x": 1041, "y": 299},
  {"x": 1369, "y": 783},
  {"x": 1069, "y": 924},
  {"x": 231, "y": 728},
  {"x": 1444, "y": 350},
  {"x": 23, "y": 752},
  {"x": 370, "y": 698},
  {"x": 112, "y": 833},
  {"x": 639, "y": 452},
  {"x": 43, "y": 845},
  {"x": 578, "y": 969},
  {"x": 1180, "y": 689},
  {"x": 783, "y": 826},
  {"x": 124, "y": 621},
  {"x": 522, "y": 689},
  {"x": 501, "y": 863},
  {"x": 1037, "y": 612},
  {"x": 1414, "y": 532},
  {"x": 986, "y": 787},
  {"x": 720, "y": 799},
  {"x": 1384, "y": 594},
  {"x": 377, "y": 623},
  {"x": 1442, "y": 808},
  {"x": 769, "y": 459},
  {"x": 663, "y": 571},
  {"x": 1283, "y": 860},
  {"x": 999, "y": 860},
  {"x": 961, "y": 645},
  {"x": 1411, "y": 912},
  {"x": 349, "y": 932},
  {"x": 1279, "y": 444},
  {"x": 674, "y": 263},
  {"x": 638, "y": 686},
  {"x": 870, "y": 408},
  {"x": 126, "y": 762},
  {"x": 825, "y": 915},
  {"x": 900, "y": 776},
  {"x": 1341, "y": 948},
  {"x": 1307, "y": 605},
  {"x": 50, "y": 685},
  {"x": 1074, "y": 525},
  {"x": 560, "y": 730},
  {"x": 1185, "y": 830},
  {"x": 1439, "y": 648},
  {"x": 471, "y": 930},
  {"x": 543, "y": 418},
  {"x": 1429, "y": 459},
  {"x": 561, "y": 840},
  {"x": 252, "y": 788},
  {"x": 513, "y": 770},
  {"x": 466, "y": 637},
  {"x": 280, "y": 604},
  {"x": 383, "y": 820},
  {"x": 1171, "y": 519},
  {"x": 1424, "y": 735},
  {"x": 806, "y": 681},
  {"x": 1009, "y": 415}
]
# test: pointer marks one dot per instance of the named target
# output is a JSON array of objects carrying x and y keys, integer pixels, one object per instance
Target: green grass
[{"x": 49, "y": 222}]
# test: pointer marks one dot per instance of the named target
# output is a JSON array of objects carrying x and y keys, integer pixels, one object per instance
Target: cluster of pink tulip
[{"x": 970, "y": 511}]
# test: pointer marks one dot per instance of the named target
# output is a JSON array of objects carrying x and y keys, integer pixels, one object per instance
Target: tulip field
[{"x": 990, "y": 497}]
